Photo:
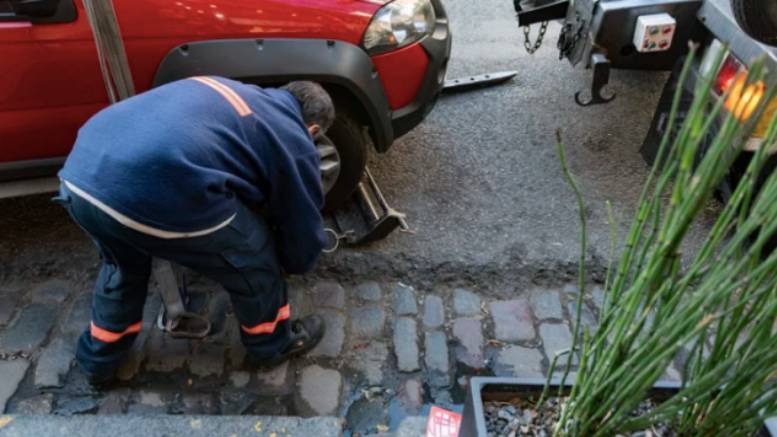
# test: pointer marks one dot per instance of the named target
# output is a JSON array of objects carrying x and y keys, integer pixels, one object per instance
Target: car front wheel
[
  {"x": 758, "y": 18},
  {"x": 343, "y": 159}
]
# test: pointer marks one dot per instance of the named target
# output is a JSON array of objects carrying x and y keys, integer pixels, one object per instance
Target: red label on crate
[{"x": 443, "y": 423}]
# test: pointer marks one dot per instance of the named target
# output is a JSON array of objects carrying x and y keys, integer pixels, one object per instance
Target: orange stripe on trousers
[
  {"x": 269, "y": 327},
  {"x": 231, "y": 96},
  {"x": 107, "y": 336}
]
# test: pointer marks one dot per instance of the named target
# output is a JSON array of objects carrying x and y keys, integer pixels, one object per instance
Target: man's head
[{"x": 318, "y": 111}]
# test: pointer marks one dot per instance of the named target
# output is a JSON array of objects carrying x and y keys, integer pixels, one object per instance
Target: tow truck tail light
[
  {"x": 728, "y": 74},
  {"x": 743, "y": 99}
]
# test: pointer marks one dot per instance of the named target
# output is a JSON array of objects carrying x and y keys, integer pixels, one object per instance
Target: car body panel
[
  {"x": 59, "y": 61},
  {"x": 402, "y": 72},
  {"x": 55, "y": 85}
]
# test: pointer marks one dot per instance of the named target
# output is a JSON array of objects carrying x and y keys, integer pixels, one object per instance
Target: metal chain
[
  {"x": 531, "y": 48},
  {"x": 566, "y": 43}
]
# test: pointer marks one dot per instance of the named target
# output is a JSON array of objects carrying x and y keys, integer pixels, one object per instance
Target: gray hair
[{"x": 316, "y": 104}]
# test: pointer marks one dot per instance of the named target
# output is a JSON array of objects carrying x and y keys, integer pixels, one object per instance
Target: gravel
[{"x": 521, "y": 418}]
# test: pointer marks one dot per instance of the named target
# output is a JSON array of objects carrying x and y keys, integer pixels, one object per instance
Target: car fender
[{"x": 271, "y": 62}]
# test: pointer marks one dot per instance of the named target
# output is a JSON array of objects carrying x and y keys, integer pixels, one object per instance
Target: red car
[{"x": 382, "y": 61}]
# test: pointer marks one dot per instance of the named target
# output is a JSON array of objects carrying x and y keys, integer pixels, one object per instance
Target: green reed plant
[{"x": 719, "y": 302}]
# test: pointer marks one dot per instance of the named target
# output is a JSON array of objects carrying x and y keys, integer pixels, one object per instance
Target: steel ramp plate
[
  {"x": 479, "y": 81},
  {"x": 365, "y": 218}
]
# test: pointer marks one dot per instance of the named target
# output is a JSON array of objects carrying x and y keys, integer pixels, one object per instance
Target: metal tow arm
[{"x": 173, "y": 317}]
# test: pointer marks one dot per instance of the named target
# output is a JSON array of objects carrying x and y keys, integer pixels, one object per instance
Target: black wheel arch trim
[{"x": 275, "y": 61}]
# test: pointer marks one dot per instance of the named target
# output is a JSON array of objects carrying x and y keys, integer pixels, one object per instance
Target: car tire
[
  {"x": 351, "y": 145},
  {"x": 758, "y": 18}
]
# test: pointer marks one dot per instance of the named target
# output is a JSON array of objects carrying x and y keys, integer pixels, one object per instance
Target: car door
[{"x": 50, "y": 83}]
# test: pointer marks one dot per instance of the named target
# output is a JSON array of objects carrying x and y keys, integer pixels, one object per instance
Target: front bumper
[{"x": 438, "y": 49}]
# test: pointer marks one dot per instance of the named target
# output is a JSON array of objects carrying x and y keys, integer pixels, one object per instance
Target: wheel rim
[{"x": 330, "y": 163}]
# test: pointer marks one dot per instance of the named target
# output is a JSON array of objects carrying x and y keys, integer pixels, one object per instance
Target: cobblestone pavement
[{"x": 390, "y": 350}]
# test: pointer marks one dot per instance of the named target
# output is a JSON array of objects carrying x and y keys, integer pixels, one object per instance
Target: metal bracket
[
  {"x": 173, "y": 317},
  {"x": 601, "y": 67},
  {"x": 546, "y": 10},
  {"x": 479, "y": 81},
  {"x": 367, "y": 218}
]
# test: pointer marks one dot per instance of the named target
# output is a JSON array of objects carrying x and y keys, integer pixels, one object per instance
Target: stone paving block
[
  {"x": 300, "y": 302},
  {"x": 30, "y": 329},
  {"x": 519, "y": 362},
  {"x": 555, "y": 337},
  {"x": 218, "y": 310},
  {"x": 235, "y": 402},
  {"x": 672, "y": 374},
  {"x": 207, "y": 360},
  {"x": 412, "y": 427},
  {"x": 51, "y": 291},
  {"x": 368, "y": 292},
  {"x": 164, "y": 353},
  {"x": 597, "y": 296},
  {"x": 334, "y": 336},
  {"x": 239, "y": 378},
  {"x": 404, "y": 300},
  {"x": 151, "y": 398},
  {"x": 366, "y": 414},
  {"x": 587, "y": 317},
  {"x": 270, "y": 406},
  {"x": 275, "y": 379},
  {"x": 235, "y": 349},
  {"x": 7, "y": 309},
  {"x": 465, "y": 302},
  {"x": 434, "y": 312},
  {"x": 115, "y": 403},
  {"x": 411, "y": 395},
  {"x": 77, "y": 320},
  {"x": 546, "y": 304},
  {"x": 54, "y": 363},
  {"x": 469, "y": 339},
  {"x": 513, "y": 320},
  {"x": 406, "y": 344},
  {"x": 197, "y": 403},
  {"x": 76, "y": 405},
  {"x": 148, "y": 402},
  {"x": 41, "y": 404},
  {"x": 436, "y": 357},
  {"x": 368, "y": 358},
  {"x": 318, "y": 391},
  {"x": 328, "y": 294},
  {"x": 138, "y": 409},
  {"x": 570, "y": 289},
  {"x": 367, "y": 322}
]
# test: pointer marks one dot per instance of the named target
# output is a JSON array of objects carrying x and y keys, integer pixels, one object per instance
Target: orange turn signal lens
[
  {"x": 743, "y": 99},
  {"x": 766, "y": 119}
]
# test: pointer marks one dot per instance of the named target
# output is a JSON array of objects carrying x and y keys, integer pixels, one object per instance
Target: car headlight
[{"x": 399, "y": 23}]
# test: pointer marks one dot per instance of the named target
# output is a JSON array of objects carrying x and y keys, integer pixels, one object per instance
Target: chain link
[{"x": 531, "y": 48}]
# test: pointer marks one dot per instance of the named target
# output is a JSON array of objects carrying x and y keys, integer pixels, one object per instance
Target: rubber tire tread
[
  {"x": 756, "y": 19},
  {"x": 351, "y": 144}
]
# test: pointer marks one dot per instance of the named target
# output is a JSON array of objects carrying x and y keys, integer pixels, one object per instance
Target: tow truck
[{"x": 655, "y": 35}]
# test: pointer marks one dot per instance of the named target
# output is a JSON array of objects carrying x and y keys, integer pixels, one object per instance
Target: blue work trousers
[{"x": 240, "y": 256}]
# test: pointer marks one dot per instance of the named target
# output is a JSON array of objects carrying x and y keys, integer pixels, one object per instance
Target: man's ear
[{"x": 314, "y": 129}]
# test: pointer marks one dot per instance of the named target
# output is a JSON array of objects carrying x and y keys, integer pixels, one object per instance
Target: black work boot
[{"x": 306, "y": 333}]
